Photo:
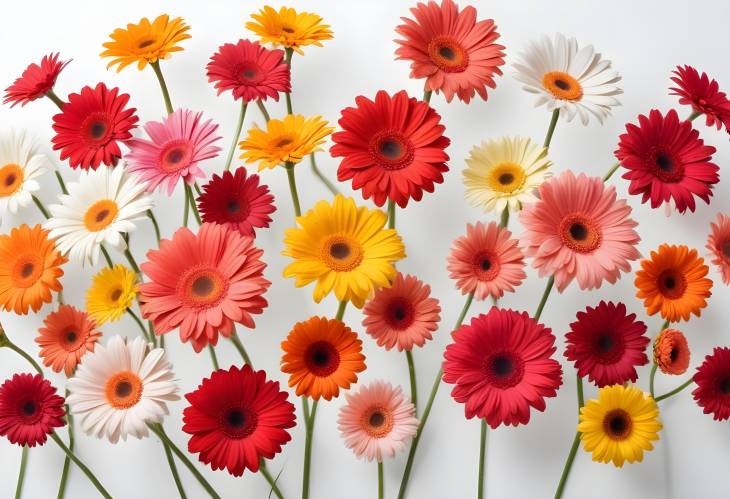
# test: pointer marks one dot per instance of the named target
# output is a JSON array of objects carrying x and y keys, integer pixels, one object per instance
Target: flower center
[
  {"x": 100, "y": 215},
  {"x": 288, "y": 29},
  {"x": 608, "y": 347},
  {"x": 11, "y": 178},
  {"x": 672, "y": 284},
  {"x": 249, "y": 73},
  {"x": 617, "y": 424},
  {"x": 202, "y": 287},
  {"x": 28, "y": 411},
  {"x": 503, "y": 369},
  {"x": 123, "y": 390},
  {"x": 145, "y": 42},
  {"x": 665, "y": 166},
  {"x": 175, "y": 156},
  {"x": 391, "y": 150},
  {"x": 725, "y": 249},
  {"x": 236, "y": 209},
  {"x": 580, "y": 233},
  {"x": 26, "y": 271},
  {"x": 486, "y": 266},
  {"x": 322, "y": 358},
  {"x": 673, "y": 354},
  {"x": 724, "y": 385},
  {"x": 399, "y": 314},
  {"x": 341, "y": 253},
  {"x": 97, "y": 128},
  {"x": 562, "y": 86},
  {"x": 282, "y": 142},
  {"x": 448, "y": 54},
  {"x": 506, "y": 177},
  {"x": 238, "y": 422},
  {"x": 115, "y": 294},
  {"x": 377, "y": 422}
]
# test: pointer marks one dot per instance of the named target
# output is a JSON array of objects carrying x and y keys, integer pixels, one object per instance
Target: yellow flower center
[
  {"x": 11, "y": 178},
  {"x": 506, "y": 177},
  {"x": 562, "y": 86},
  {"x": 100, "y": 215},
  {"x": 377, "y": 422},
  {"x": 341, "y": 253},
  {"x": 26, "y": 271},
  {"x": 123, "y": 390},
  {"x": 617, "y": 424}
]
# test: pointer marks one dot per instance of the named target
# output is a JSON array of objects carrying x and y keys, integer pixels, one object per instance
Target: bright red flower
[
  {"x": 666, "y": 159},
  {"x": 36, "y": 81},
  {"x": 713, "y": 384},
  {"x": 703, "y": 95},
  {"x": 29, "y": 409},
  {"x": 393, "y": 147},
  {"x": 91, "y": 125},
  {"x": 607, "y": 344},
  {"x": 236, "y": 417},
  {"x": 502, "y": 366}
]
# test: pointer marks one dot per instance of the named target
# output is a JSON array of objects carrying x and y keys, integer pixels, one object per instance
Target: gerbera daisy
[
  {"x": 284, "y": 141},
  {"x": 289, "y": 28},
  {"x": 671, "y": 352},
  {"x": 21, "y": 163},
  {"x": 607, "y": 344},
  {"x": 237, "y": 200},
  {"x": 29, "y": 409},
  {"x": 344, "y": 248},
  {"x": 145, "y": 42},
  {"x": 392, "y": 148},
  {"x": 403, "y": 315},
  {"x": 579, "y": 230},
  {"x": 569, "y": 79},
  {"x": 249, "y": 71},
  {"x": 486, "y": 261},
  {"x": 502, "y": 365},
  {"x": 505, "y": 173},
  {"x": 237, "y": 417},
  {"x": 30, "y": 266},
  {"x": 718, "y": 243},
  {"x": 321, "y": 356},
  {"x": 98, "y": 209},
  {"x": 377, "y": 421},
  {"x": 36, "y": 81},
  {"x": 451, "y": 49},
  {"x": 90, "y": 126},
  {"x": 203, "y": 283},
  {"x": 703, "y": 95},
  {"x": 121, "y": 387},
  {"x": 67, "y": 336},
  {"x": 620, "y": 425},
  {"x": 666, "y": 159},
  {"x": 177, "y": 144},
  {"x": 713, "y": 384},
  {"x": 111, "y": 293},
  {"x": 673, "y": 283}
]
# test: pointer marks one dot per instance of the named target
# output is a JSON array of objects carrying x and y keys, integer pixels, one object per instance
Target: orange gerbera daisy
[
  {"x": 671, "y": 352},
  {"x": 673, "y": 283},
  {"x": 68, "y": 334},
  {"x": 30, "y": 266},
  {"x": 321, "y": 356}
]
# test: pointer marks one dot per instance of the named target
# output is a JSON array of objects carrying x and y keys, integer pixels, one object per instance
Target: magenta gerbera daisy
[{"x": 713, "y": 384}]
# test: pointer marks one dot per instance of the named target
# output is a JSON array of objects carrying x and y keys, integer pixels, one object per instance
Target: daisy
[
  {"x": 451, "y": 49},
  {"x": 99, "y": 209},
  {"x": 68, "y": 334},
  {"x": 30, "y": 410},
  {"x": 21, "y": 163},
  {"x": 289, "y": 28},
  {"x": 671, "y": 352},
  {"x": 713, "y": 384},
  {"x": 120, "y": 387},
  {"x": 177, "y": 144},
  {"x": 718, "y": 243},
  {"x": 703, "y": 94},
  {"x": 392, "y": 148},
  {"x": 112, "y": 293},
  {"x": 36, "y": 81},
  {"x": 579, "y": 230},
  {"x": 568, "y": 79}
]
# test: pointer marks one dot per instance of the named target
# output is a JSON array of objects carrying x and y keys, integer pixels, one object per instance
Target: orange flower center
[
  {"x": 238, "y": 422},
  {"x": 503, "y": 369},
  {"x": 123, "y": 390},
  {"x": 97, "y": 129},
  {"x": 175, "y": 156},
  {"x": 399, "y": 313},
  {"x": 100, "y": 215},
  {"x": 617, "y": 424},
  {"x": 377, "y": 422},
  {"x": 579, "y": 233},
  {"x": 322, "y": 358},
  {"x": 11, "y": 178},
  {"x": 27, "y": 270},
  {"x": 341, "y": 253},
  {"x": 203, "y": 287},
  {"x": 486, "y": 266},
  {"x": 391, "y": 150},
  {"x": 448, "y": 54},
  {"x": 672, "y": 284},
  {"x": 562, "y": 85}
]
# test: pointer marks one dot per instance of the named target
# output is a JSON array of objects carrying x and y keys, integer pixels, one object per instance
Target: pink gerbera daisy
[
  {"x": 403, "y": 315},
  {"x": 486, "y": 261},
  {"x": 719, "y": 245},
  {"x": 579, "y": 230},
  {"x": 36, "y": 81},
  {"x": 178, "y": 143}
]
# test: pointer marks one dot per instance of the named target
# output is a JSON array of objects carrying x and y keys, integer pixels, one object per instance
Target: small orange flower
[
  {"x": 321, "y": 356},
  {"x": 673, "y": 283},
  {"x": 68, "y": 334},
  {"x": 671, "y": 352}
]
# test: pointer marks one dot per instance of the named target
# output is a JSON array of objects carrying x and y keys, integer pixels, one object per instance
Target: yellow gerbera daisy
[
  {"x": 344, "y": 248},
  {"x": 284, "y": 141},
  {"x": 112, "y": 292},
  {"x": 145, "y": 42},
  {"x": 620, "y": 425},
  {"x": 288, "y": 28},
  {"x": 505, "y": 172}
]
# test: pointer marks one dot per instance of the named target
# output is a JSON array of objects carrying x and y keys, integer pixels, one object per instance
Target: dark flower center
[
  {"x": 447, "y": 53},
  {"x": 101, "y": 216},
  {"x": 203, "y": 286},
  {"x": 27, "y": 269},
  {"x": 285, "y": 141},
  {"x": 116, "y": 294},
  {"x": 71, "y": 336},
  {"x": 673, "y": 354},
  {"x": 322, "y": 358},
  {"x": 726, "y": 249},
  {"x": 233, "y": 206},
  {"x": 146, "y": 43},
  {"x": 502, "y": 366},
  {"x": 503, "y": 369},
  {"x": 339, "y": 251},
  {"x": 724, "y": 385},
  {"x": 561, "y": 84},
  {"x": 287, "y": 29},
  {"x": 672, "y": 284},
  {"x": 175, "y": 155},
  {"x": 666, "y": 166},
  {"x": 29, "y": 408},
  {"x": 400, "y": 313},
  {"x": 604, "y": 343},
  {"x": 249, "y": 73},
  {"x": 123, "y": 389},
  {"x": 10, "y": 179},
  {"x": 578, "y": 231},
  {"x": 97, "y": 129},
  {"x": 506, "y": 178},
  {"x": 617, "y": 424},
  {"x": 391, "y": 149},
  {"x": 377, "y": 419},
  {"x": 239, "y": 422},
  {"x": 664, "y": 162},
  {"x": 236, "y": 418},
  {"x": 485, "y": 264}
]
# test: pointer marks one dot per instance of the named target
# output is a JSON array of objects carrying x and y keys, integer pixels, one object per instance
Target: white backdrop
[{"x": 645, "y": 40}]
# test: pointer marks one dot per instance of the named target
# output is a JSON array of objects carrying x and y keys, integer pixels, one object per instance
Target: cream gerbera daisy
[
  {"x": 575, "y": 81},
  {"x": 98, "y": 209},
  {"x": 20, "y": 164},
  {"x": 121, "y": 387},
  {"x": 505, "y": 173}
]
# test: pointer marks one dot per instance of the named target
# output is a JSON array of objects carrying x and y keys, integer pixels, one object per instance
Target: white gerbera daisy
[
  {"x": 121, "y": 387},
  {"x": 20, "y": 165},
  {"x": 563, "y": 77},
  {"x": 99, "y": 208},
  {"x": 505, "y": 173}
]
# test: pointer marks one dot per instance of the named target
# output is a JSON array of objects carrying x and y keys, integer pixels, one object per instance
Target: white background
[{"x": 645, "y": 40}]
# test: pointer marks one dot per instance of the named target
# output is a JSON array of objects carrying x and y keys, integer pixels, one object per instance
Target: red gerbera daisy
[
  {"x": 91, "y": 124},
  {"x": 703, "y": 95},
  {"x": 250, "y": 71},
  {"x": 36, "y": 81},
  {"x": 667, "y": 160},
  {"x": 502, "y": 365},
  {"x": 236, "y": 417},
  {"x": 713, "y": 384},
  {"x": 29, "y": 409},
  {"x": 607, "y": 344},
  {"x": 237, "y": 200},
  {"x": 393, "y": 147}
]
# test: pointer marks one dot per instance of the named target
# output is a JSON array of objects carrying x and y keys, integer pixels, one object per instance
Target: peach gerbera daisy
[
  {"x": 671, "y": 352},
  {"x": 68, "y": 334},
  {"x": 719, "y": 245}
]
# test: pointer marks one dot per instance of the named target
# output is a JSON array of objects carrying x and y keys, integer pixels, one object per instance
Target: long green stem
[
  {"x": 611, "y": 171},
  {"x": 61, "y": 183},
  {"x": 675, "y": 391},
  {"x": 551, "y": 128},
  {"x": 40, "y": 206},
  {"x": 132, "y": 262},
  {"x": 263, "y": 110},
  {"x": 341, "y": 310},
  {"x": 504, "y": 219},
  {"x": 139, "y": 322},
  {"x": 67, "y": 460},
  {"x": 543, "y": 300},
  {"x": 654, "y": 367},
  {"x": 186, "y": 207},
  {"x": 391, "y": 214},
  {"x": 81, "y": 466},
  {"x": 173, "y": 470},
  {"x": 21, "y": 472},
  {"x": 108, "y": 258},
  {"x": 289, "y": 53},
  {"x": 309, "y": 430},
  {"x": 381, "y": 485},
  {"x": 15, "y": 348},
  {"x": 241, "y": 350},
  {"x": 55, "y": 99},
  {"x": 329, "y": 185},
  {"x": 193, "y": 207},
  {"x": 270, "y": 479},
  {"x": 482, "y": 458},
  {"x": 289, "y": 167},
  {"x": 236, "y": 136},
  {"x": 155, "y": 225},
  {"x": 412, "y": 377},
  {"x": 163, "y": 86},
  {"x": 213, "y": 356},
  {"x": 574, "y": 447}
]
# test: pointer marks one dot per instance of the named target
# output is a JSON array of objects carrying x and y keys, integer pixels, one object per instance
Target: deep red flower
[
  {"x": 607, "y": 344},
  {"x": 666, "y": 159},
  {"x": 703, "y": 95},
  {"x": 29, "y": 409},
  {"x": 237, "y": 200},
  {"x": 236, "y": 417},
  {"x": 713, "y": 384},
  {"x": 392, "y": 147},
  {"x": 36, "y": 81},
  {"x": 502, "y": 366},
  {"x": 91, "y": 124}
]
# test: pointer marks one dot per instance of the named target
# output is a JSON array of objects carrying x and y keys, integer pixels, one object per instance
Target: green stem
[
  {"x": 163, "y": 86},
  {"x": 543, "y": 300},
  {"x": 270, "y": 479},
  {"x": 694, "y": 115},
  {"x": 380, "y": 480},
  {"x": 504, "y": 219},
  {"x": 412, "y": 376},
  {"x": 173, "y": 470},
  {"x": 551, "y": 128},
  {"x": 427, "y": 95},
  {"x": 610, "y": 172},
  {"x": 289, "y": 53},
  {"x": 40, "y": 206},
  {"x": 330, "y": 186},
  {"x": 155, "y": 225},
  {"x": 55, "y": 99},
  {"x": 81, "y": 466},
  {"x": 61, "y": 183},
  {"x": 263, "y": 110},
  {"x": 579, "y": 387},
  {"x": 186, "y": 208},
  {"x": 573, "y": 447},
  {"x": 108, "y": 259},
  {"x": 139, "y": 322},
  {"x": 15, "y": 348},
  {"x": 21, "y": 473},
  {"x": 67, "y": 460},
  {"x": 236, "y": 136},
  {"x": 341, "y": 310},
  {"x": 132, "y": 262},
  {"x": 654, "y": 367},
  {"x": 675, "y": 391},
  {"x": 293, "y": 188},
  {"x": 213, "y": 356},
  {"x": 309, "y": 428},
  {"x": 239, "y": 346},
  {"x": 391, "y": 214},
  {"x": 482, "y": 458},
  {"x": 193, "y": 207}
]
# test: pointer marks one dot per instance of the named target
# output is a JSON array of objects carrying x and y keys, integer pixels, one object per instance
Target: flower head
[
  {"x": 68, "y": 334},
  {"x": 713, "y": 384},
  {"x": 718, "y": 243},
  {"x": 671, "y": 352},
  {"x": 703, "y": 94},
  {"x": 21, "y": 163},
  {"x": 289, "y": 28},
  {"x": 30, "y": 410},
  {"x": 112, "y": 292},
  {"x": 36, "y": 81}
]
